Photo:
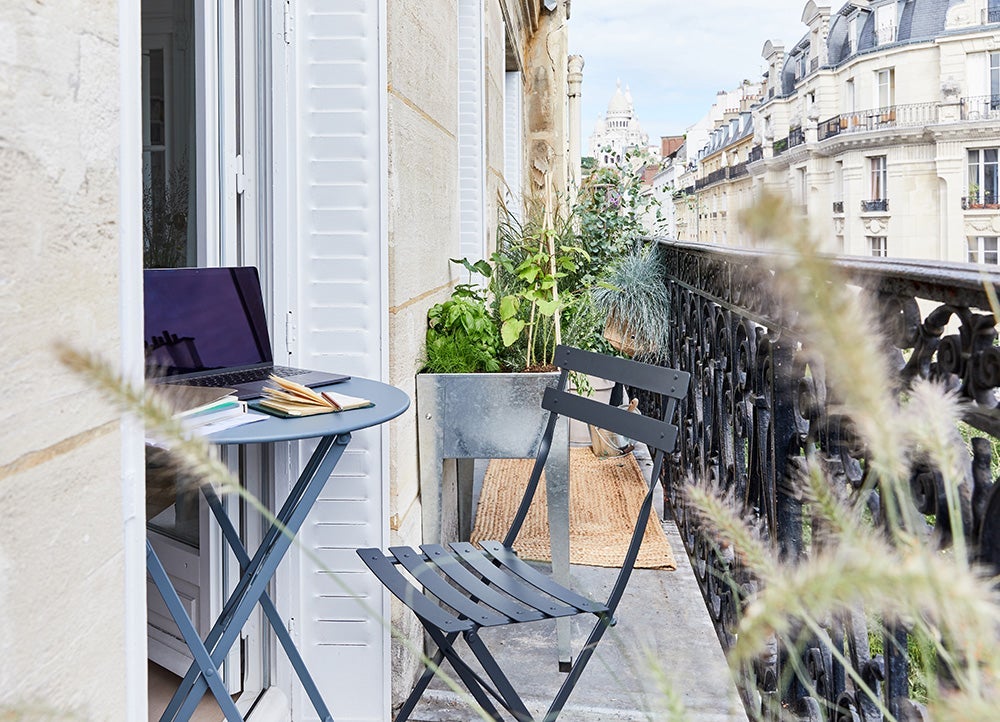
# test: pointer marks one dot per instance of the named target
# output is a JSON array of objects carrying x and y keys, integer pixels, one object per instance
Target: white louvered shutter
[
  {"x": 513, "y": 151},
  {"x": 471, "y": 131},
  {"x": 341, "y": 314}
]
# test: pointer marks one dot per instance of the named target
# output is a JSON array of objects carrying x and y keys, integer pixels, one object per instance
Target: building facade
[
  {"x": 881, "y": 126},
  {"x": 347, "y": 151},
  {"x": 713, "y": 185}
]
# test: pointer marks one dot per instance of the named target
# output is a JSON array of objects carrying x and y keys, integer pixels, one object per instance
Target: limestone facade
[
  {"x": 62, "y": 555},
  {"x": 881, "y": 126}
]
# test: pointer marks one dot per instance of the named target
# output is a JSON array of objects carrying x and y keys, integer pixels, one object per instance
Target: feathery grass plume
[
  {"x": 831, "y": 316},
  {"x": 196, "y": 462},
  {"x": 915, "y": 586},
  {"x": 190, "y": 452},
  {"x": 721, "y": 514},
  {"x": 931, "y": 424},
  {"x": 671, "y": 707},
  {"x": 829, "y": 506}
]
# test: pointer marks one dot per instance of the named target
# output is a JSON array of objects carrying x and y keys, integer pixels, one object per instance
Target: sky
[{"x": 674, "y": 55}]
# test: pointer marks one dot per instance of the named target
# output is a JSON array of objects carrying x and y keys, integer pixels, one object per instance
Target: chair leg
[
  {"x": 574, "y": 674},
  {"x": 513, "y": 701},
  {"x": 468, "y": 676}
]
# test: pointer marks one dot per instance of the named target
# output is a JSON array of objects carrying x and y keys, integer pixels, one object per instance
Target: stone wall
[{"x": 62, "y": 594}]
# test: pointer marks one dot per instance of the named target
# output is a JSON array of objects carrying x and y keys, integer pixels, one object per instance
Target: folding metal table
[{"x": 334, "y": 434}]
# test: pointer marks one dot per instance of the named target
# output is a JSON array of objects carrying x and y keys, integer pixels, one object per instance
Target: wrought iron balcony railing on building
[
  {"x": 738, "y": 171},
  {"x": 985, "y": 199},
  {"x": 893, "y": 116},
  {"x": 878, "y": 205},
  {"x": 756, "y": 154},
  {"x": 993, "y": 15},
  {"x": 981, "y": 107},
  {"x": 780, "y": 146},
  {"x": 796, "y": 136},
  {"x": 838, "y": 206},
  {"x": 756, "y": 407}
]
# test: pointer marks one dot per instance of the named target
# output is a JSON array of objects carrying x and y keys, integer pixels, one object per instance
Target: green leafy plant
[
  {"x": 532, "y": 264},
  {"x": 462, "y": 335}
]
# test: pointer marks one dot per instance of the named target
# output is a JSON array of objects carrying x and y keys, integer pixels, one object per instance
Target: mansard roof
[{"x": 915, "y": 20}]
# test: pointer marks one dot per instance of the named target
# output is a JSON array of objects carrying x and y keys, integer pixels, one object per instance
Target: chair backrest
[{"x": 657, "y": 434}]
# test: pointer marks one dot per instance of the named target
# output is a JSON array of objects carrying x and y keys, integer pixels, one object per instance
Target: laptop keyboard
[{"x": 243, "y": 377}]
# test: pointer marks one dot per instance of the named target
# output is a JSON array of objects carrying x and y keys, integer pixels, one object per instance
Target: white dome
[{"x": 619, "y": 104}]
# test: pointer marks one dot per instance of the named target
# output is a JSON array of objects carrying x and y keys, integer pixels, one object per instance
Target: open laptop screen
[{"x": 200, "y": 319}]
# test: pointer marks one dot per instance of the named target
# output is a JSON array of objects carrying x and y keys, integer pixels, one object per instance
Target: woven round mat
[{"x": 605, "y": 496}]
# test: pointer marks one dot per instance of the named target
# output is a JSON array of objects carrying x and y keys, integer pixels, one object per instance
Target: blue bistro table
[{"x": 334, "y": 434}]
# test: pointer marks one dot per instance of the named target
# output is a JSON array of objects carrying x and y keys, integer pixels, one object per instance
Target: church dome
[{"x": 619, "y": 104}]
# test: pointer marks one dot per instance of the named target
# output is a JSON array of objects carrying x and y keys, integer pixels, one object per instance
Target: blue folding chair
[{"x": 464, "y": 589}]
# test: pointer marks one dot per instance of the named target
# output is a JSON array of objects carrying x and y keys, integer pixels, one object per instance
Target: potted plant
[{"x": 634, "y": 300}]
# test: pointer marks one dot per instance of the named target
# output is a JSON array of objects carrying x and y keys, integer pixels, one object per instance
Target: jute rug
[{"x": 605, "y": 496}]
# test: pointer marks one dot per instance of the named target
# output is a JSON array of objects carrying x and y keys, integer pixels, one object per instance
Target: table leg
[
  {"x": 277, "y": 623},
  {"x": 202, "y": 660},
  {"x": 253, "y": 582}
]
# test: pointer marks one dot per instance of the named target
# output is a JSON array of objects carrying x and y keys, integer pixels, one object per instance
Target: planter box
[{"x": 463, "y": 417}]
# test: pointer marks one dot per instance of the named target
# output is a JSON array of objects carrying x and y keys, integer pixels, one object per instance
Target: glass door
[{"x": 202, "y": 100}]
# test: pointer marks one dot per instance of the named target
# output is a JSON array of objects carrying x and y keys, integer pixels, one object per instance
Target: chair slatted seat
[{"x": 460, "y": 590}]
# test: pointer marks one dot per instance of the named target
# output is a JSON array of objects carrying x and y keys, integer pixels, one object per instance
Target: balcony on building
[{"x": 876, "y": 205}]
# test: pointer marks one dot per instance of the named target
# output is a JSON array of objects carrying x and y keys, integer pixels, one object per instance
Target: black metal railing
[
  {"x": 714, "y": 177},
  {"x": 838, "y": 206},
  {"x": 814, "y": 65},
  {"x": 796, "y": 136},
  {"x": 738, "y": 171},
  {"x": 993, "y": 15},
  {"x": 756, "y": 154},
  {"x": 757, "y": 407},
  {"x": 977, "y": 199},
  {"x": 879, "y": 205},
  {"x": 892, "y": 116},
  {"x": 981, "y": 107},
  {"x": 780, "y": 145}
]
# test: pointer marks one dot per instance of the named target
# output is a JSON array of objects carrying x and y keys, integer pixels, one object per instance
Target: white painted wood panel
[
  {"x": 337, "y": 258},
  {"x": 471, "y": 130}
]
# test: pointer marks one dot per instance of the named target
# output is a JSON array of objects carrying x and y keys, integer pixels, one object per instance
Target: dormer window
[
  {"x": 852, "y": 33},
  {"x": 885, "y": 24}
]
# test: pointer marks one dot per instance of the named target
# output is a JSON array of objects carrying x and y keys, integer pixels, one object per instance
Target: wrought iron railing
[
  {"x": 738, "y": 171},
  {"x": 892, "y": 116},
  {"x": 814, "y": 65},
  {"x": 755, "y": 409},
  {"x": 977, "y": 199},
  {"x": 756, "y": 153},
  {"x": 838, "y": 206},
  {"x": 780, "y": 146},
  {"x": 877, "y": 205},
  {"x": 993, "y": 15},
  {"x": 796, "y": 136},
  {"x": 981, "y": 107},
  {"x": 714, "y": 177}
]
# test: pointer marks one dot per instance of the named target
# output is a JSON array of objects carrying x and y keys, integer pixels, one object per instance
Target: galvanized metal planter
[{"x": 480, "y": 416}]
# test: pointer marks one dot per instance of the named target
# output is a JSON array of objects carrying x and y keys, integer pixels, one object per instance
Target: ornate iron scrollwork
[{"x": 758, "y": 402}]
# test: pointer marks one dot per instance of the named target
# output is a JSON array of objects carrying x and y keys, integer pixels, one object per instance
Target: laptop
[{"x": 207, "y": 327}]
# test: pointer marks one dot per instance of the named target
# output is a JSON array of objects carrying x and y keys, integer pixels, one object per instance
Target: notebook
[{"x": 207, "y": 327}]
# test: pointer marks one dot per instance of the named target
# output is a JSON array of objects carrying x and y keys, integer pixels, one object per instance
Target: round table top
[{"x": 389, "y": 402}]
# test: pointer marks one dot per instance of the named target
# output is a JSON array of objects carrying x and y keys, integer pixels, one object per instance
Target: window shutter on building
[
  {"x": 471, "y": 130},
  {"x": 339, "y": 261},
  {"x": 977, "y": 74}
]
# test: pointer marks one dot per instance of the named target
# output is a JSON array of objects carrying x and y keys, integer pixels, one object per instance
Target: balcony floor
[{"x": 662, "y": 622}]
